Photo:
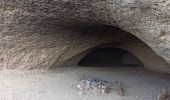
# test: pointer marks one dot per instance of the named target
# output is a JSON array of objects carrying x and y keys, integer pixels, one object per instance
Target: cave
[
  {"x": 108, "y": 46},
  {"x": 110, "y": 57},
  {"x": 46, "y": 46}
]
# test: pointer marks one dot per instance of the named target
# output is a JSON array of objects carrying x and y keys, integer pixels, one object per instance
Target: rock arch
[
  {"x": 48, "y": 33},
  {"x": 118, "y": 38}
]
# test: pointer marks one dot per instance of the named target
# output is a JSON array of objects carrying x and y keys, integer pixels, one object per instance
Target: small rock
[
  {"x": 163, "y": 95},
  {"x": 79, "y": 87},
  {"x": 120, "y": 91}
]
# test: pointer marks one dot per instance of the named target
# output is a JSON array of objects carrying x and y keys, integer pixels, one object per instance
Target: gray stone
[{"x": 94, "y": 86}]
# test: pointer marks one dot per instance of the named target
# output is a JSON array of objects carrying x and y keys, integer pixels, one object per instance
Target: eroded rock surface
[{"x": 38, "y": 34}]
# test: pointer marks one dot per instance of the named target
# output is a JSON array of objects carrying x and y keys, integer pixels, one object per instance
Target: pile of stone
[{"x": 94, "y": 86}]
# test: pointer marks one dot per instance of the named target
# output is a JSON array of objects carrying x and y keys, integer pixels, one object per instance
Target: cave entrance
[{"x": 110, "y": 57}]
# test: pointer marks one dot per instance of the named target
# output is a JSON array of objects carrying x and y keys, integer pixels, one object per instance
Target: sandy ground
[{"x": 61, "y": 84}]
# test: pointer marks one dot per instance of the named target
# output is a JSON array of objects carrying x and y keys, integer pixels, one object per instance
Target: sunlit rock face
[{"x": 43, "y": 34}]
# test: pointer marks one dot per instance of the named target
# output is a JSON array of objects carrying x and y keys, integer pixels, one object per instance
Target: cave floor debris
[{"x": 60, "y": 84}]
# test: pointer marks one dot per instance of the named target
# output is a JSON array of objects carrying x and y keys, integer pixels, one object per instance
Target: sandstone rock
[{"x": 43, "y": 34}]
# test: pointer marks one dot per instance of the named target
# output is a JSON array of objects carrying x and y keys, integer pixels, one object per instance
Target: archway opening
[{"x": 110, "y": 57}]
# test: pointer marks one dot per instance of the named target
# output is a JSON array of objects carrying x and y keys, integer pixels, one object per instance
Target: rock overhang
[{"x": 43, "y": 33}]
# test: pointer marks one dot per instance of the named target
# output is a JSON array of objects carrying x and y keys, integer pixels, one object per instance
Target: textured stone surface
[
  {"x": 94, "y": 86},
  {"x": 38, "y": 34}
]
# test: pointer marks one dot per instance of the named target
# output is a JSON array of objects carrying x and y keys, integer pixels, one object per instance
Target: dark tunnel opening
[{"x": 110, "y": 57}]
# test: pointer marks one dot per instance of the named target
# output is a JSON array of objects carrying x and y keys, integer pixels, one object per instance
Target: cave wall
[
  {"x": 138, "y": 48},
  {"x": 149, "y": 58},
  {"x": 41, "y": 34}
]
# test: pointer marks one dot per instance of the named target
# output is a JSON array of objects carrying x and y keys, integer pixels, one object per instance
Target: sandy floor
[{"x": 60, "y": 84}]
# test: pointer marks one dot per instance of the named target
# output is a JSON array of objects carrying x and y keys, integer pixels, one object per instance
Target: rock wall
[
  {"x": 133, "y": 45},
  {"x": 41, "y": 34}
]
